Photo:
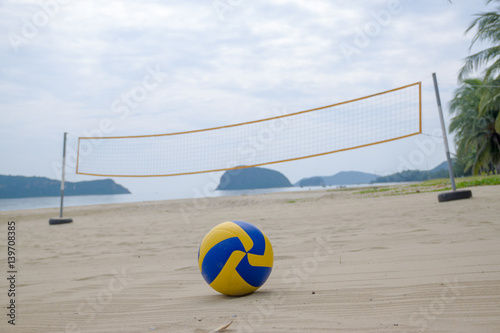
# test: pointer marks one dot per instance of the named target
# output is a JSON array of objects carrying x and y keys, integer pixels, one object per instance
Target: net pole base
[
  {"x": 60, "y": 220},
  {"x": 455, "y": 195}
]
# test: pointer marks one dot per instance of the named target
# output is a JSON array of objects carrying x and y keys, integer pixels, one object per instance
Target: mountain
[
  {"x": 252, "y": 178},
  {"x": 341, "y": 178},
  {"x": 313, "y": 181},
  {"x": 25, "y": 187},
  {"x": 350, "y": 178},
  {"x": 441, "y": 171},
  {"x": 442, "y": 166}
]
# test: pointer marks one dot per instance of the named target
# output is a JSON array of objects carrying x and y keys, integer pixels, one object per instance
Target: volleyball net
[{"x": 362, "y": 122}]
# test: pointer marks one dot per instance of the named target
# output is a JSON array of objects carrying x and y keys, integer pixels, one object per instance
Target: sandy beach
[{"x": 344, "y": 262}]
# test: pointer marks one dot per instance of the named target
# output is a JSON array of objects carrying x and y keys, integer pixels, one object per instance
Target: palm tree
[
  {"x": 476, "y": 111},
  {"x": 463, "y": 162},
  {"x": 488, "y": 30}
]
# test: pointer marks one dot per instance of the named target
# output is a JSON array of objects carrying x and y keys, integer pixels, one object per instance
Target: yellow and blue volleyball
[{"x": 235, "y": 258}]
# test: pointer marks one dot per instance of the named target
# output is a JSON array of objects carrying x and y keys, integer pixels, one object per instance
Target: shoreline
[{"x": 73, "y": 201}]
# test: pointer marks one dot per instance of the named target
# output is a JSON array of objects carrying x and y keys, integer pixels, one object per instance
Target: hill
[
  {"x": 440, "y": 171},
  {"x": 252, "y": 178},
  {"x": 26, "y": 187},
  {"x": 313, "y": 181},
  {"x": 341, "y": 178}
]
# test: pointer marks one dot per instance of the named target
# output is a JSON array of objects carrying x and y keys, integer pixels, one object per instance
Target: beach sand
[{"x": 344, "y": 262}]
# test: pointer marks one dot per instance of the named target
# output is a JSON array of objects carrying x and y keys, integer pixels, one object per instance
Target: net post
[
  {"x": 443, "y": 128},
  {"x": 63, "y": 174},
  {"x": 62, "y": 220},
  {"x": 455, "y": 195}
]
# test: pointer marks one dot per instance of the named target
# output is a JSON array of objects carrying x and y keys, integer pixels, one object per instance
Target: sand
[{"x": 344, "y": 262}]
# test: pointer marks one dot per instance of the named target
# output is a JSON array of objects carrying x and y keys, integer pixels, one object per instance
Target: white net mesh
[{"x": 366, "y": 121}]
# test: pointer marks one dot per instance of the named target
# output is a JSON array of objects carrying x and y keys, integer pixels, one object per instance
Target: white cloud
[{"x": 263, "y": 55}]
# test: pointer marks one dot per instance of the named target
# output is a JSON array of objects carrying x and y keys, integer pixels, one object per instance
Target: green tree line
[{"x": 476, "y": 103}]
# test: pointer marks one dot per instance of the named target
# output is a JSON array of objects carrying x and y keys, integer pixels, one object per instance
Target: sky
[{"x": 66, "y": 64}]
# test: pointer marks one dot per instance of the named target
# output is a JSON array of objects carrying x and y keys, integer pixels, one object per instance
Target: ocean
[{"x": 84, "y": 200}]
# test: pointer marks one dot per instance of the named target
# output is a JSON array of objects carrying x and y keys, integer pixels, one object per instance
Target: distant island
[
  {"x": 26, "y": 187},
  {"x": 355, "y": 177},
  {"x": 341, "y": 178},
  {"x": 259, "y": 178},
  {"x": 252, "y": 178}
]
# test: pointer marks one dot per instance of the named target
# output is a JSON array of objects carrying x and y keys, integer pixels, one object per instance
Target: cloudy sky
[{"x": 66, "y": 64}]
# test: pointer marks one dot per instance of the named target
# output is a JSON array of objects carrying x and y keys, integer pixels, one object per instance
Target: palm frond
[
  {"x": 488, "y": 30},
  {"x": 492, "y": 70},
  {"x": 475, "y": 106},
  {"x": 479, "y": 59},
  {"x": 487, "y": 27}
]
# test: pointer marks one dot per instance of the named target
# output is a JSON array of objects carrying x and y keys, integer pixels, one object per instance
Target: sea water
[{"x": 84, "y": 200}]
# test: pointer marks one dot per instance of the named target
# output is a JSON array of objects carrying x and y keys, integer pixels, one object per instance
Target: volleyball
[{"x": 235, "y": 258}]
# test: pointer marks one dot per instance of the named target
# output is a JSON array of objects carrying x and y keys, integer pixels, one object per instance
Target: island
[
  {"x": 312, "y": 181},
  {"x": 26, "y": 187},
  {"x": 252, "y": 178}
]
